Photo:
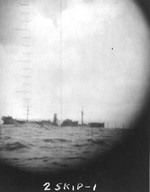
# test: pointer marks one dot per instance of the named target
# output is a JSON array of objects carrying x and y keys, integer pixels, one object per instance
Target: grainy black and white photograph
[{"x": 74, "y": 81}]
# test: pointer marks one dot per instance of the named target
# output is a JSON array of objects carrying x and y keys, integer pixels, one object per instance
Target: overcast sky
[{"x": 75, "y": 53}]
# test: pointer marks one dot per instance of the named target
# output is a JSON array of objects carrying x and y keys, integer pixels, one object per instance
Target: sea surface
[{"x": 50, "y": 148}]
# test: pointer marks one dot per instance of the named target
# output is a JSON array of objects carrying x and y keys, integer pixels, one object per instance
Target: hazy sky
[{"x": 73, "y": 53}]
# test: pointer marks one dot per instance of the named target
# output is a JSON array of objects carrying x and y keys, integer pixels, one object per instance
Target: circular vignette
[{"x": 141, "y": 119}]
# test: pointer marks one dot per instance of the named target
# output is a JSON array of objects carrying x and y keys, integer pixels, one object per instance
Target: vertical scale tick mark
[{"x": 25, "y": 59}]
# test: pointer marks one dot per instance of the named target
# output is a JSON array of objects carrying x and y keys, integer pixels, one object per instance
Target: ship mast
[
  {"x": 27, "y": 119},
  {"x": 82, "y": 117}
]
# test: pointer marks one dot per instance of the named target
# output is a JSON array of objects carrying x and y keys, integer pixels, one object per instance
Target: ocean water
[{"x": 50, "y": 148}]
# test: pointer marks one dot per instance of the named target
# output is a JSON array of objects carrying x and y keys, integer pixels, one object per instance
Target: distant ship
[
  {"x": 95, "y": 124},
  {"x": 8, "y": 120}
]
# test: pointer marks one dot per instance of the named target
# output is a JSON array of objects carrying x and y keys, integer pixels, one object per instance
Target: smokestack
[{"x": 55, "y": 119}]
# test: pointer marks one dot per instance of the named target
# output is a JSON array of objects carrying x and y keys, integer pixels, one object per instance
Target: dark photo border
[{"x": 124, "y": 169}]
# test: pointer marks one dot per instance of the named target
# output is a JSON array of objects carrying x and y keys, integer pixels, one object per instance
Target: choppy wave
[
  {"x": 99, "y": 142},
  {"x": 57, "y": 140},
  {"x": 33, "y": 147},
  {"x": 14, "y": 146}
]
